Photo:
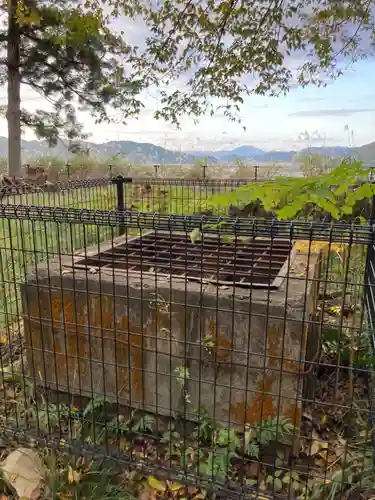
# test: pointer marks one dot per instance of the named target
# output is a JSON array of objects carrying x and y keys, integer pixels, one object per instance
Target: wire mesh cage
[{"x": 226, "y": 357}]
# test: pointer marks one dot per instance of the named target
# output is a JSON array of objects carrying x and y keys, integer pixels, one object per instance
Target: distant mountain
[
  {"x": 249, "y": 152},
  {"x": 143, "y": 153},
  {"x": 334, "y": 151},
  {"x": 238, "y": 153},
  {"x": 366, "y": 153},
  {"x": 252, "y": 154},
  {"x": 277, "y": 156},
  {"x": 134, "y": 152},
  {"x": 146, "y": 153}
]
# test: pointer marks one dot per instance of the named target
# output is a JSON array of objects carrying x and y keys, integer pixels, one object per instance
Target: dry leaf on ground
[
  {"x": 73, "y": 475},
  {"x": 23, "y": 470},
  {"x": 156, "y": 485}
]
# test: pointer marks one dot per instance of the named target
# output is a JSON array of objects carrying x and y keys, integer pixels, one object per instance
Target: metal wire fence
[
  {"x": 164, "y": 195},
  {"x": 215, "y": 360},
  {"x": 93, "y": 193},
  {"x": 157, "y": 195}
]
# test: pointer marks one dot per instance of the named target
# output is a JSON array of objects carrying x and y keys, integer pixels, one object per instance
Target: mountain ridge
[{"x": 148, "y": 153}]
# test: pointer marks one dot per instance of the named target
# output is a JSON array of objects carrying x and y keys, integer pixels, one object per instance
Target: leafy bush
[{"x": 335, "y": 193}]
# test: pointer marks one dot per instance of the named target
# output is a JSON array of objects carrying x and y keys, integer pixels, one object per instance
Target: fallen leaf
[
  {"x": 323, "y": 454},
  {"x": 174, "y": 487},
  {"x": 307, "y": 416},
  {"x": 331, "y": 459},
  {"x": 10, "y": 393},
  {"x": 192, "y": 490},
  {"x": 73, "y": 476},
  {"x": 262, "y": 485},
  {"x": 320, "y": 462},
  {"x": 195, "y": 236},
  {"x": 23, "y": 470},
  {"x": 335, "y": 310},
  {"x": 144, "y": 495},
  {"x": 278, "y": 485},
  {"x": 315, "y": 447},
  {"x": 155, "y": 484}
]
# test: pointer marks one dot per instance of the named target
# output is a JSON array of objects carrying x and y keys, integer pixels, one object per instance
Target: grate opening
[{"x": 261, "y": 263}]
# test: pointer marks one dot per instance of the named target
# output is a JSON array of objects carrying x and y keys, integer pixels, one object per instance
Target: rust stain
[
  {"x": 85, "y": 333},
  {"x": 126, "y": 335},
  {"x": 69, "y": 315},
  {"x": 274, "y": 353},
  {"x": 160, "y": 324},
  {"x": 212, "y": 328},
  {"x": 263, "y": 407},
  {"x": 292, "y": 365},
  {"x": 273, "y": 347},
  {"x": 223, "y": 346},
  {"x": 48, "y": 350},
  {"x": 260, "y": 408},
  {"x": 263, "y": 404},
  {"x": 293, "y": 413}
]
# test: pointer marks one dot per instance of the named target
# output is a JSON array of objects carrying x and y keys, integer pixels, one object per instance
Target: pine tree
[{"x": 67, "y": 54}]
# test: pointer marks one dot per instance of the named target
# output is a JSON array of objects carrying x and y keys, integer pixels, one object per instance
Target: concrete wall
[{"x": 131, "y": 340}]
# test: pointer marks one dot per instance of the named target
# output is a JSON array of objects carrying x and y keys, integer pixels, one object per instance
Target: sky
[
  {"x": 340, "y": 114},
  {"x": 305, "y": 117}
]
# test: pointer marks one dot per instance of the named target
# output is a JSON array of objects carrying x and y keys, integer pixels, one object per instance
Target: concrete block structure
[{"x": 167, "y": 345}]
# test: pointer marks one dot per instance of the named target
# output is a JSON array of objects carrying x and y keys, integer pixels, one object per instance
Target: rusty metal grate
[{"x": 260, "y": 263}]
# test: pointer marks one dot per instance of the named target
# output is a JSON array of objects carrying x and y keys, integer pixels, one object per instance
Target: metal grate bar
[{"x": 251, "y": 263}]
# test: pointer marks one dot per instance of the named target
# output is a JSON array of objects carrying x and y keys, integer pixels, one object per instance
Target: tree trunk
[{"x": 14, "y": 91}]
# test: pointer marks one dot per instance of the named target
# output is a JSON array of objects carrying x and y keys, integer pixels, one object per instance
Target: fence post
[
  {"x": 119, "y": 182},
  {"x": 110, "y": 170},
  {"x": 369, "y": 304},
  {"x": 256, "y": 172},
  {"x": 156, "y": 167},
  {"x": 68, "y": 165},
  {"x": 204, "y": 171}
]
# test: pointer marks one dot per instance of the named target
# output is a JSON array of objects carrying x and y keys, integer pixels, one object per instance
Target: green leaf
[
  {"x": 278, "y": 485},
  {"x": 253, "y": 450},
  {"x": 95, "y": 403},
  {"x": 195, "y": 236},
  {"x": 296, "y": 486}
]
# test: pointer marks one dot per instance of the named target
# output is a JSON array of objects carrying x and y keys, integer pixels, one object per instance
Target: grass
[
  {"x": 79, "y": 479},
  {"x": 96, "y": 483},
  {"x": 25, "y": 243}
]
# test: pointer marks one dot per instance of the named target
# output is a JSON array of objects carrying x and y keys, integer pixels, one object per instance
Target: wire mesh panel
[
  {"x": 132, "y": 348},
  {"x": 167, "y": 195},
  {"x": 93, "y": 194},
  {"x": 175, "y": 195}
]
